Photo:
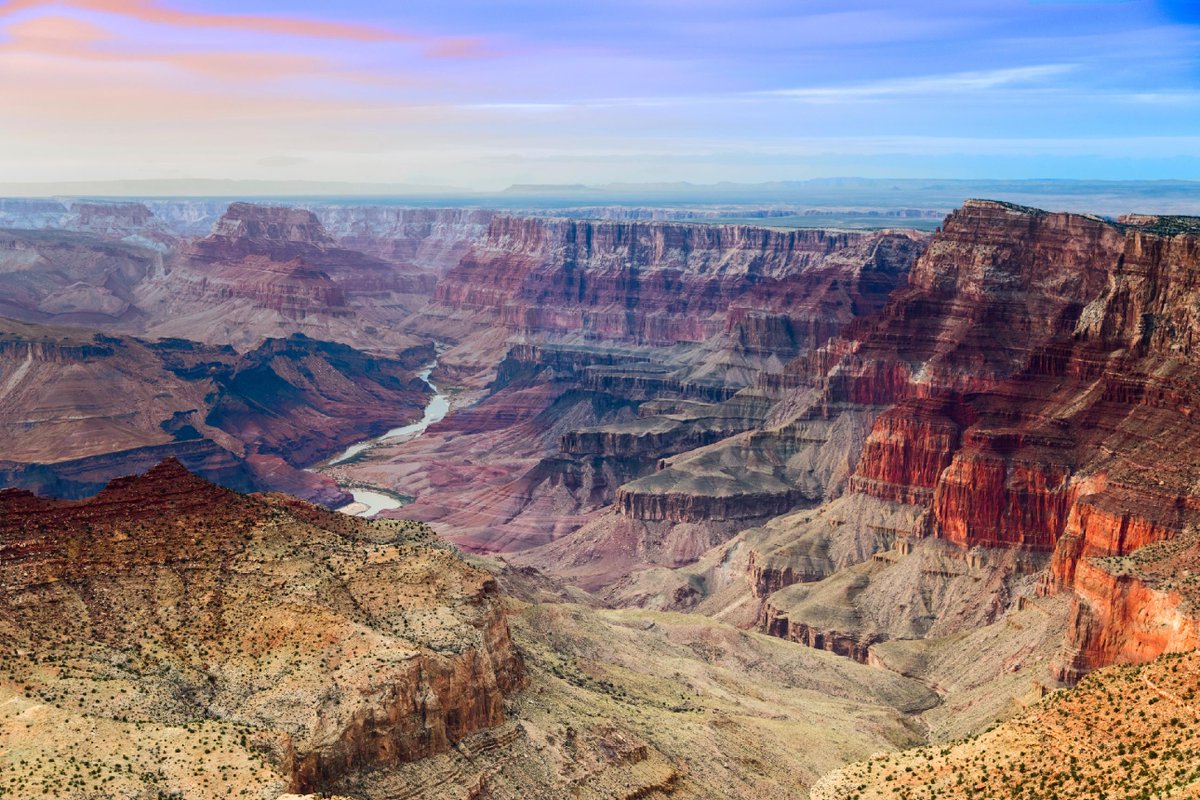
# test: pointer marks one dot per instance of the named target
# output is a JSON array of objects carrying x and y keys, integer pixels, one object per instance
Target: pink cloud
[
  {"x": 460, "y": 47},
  {"x": 154, "y": 12},
  {"x": 66, "y": 37}
]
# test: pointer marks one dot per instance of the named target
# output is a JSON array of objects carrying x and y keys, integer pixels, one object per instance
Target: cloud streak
[
  {"x": 157, "y": 13},
  {"x": 58, "y": 38},
  {"x": 954, "y": 83},
  {"x": 1032, "y": 77}
]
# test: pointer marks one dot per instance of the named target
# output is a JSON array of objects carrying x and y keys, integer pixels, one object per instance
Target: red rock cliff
[
  {"x": 1045, "y": 369},
  {"x": 662, "y": 283}
]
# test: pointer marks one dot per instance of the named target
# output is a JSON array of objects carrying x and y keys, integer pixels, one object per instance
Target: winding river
[{"x": 369, "y": 502}]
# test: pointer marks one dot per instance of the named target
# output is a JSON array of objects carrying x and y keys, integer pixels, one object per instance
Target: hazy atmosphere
[{"x": 480, "y": 95}]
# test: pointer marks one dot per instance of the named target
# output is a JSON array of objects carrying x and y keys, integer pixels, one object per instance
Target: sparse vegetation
[
  {"x": 1125, "y": 733},
  {"x": 179, "y": 640}
]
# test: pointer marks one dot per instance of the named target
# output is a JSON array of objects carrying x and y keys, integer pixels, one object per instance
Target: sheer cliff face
[
  {"x": 1026, "y": 401},
  {"x": 293, "y": 646},
  {"x": 663, "y": 283},
  {"x": 993, "y": 285},
  {"x": 1039, "y": 367},
  {"x": 991, "y": 303},
  {"x": 999, "y": 382}
]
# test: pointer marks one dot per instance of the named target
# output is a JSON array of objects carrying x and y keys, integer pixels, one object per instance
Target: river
[{"x": 369, "y": 502}]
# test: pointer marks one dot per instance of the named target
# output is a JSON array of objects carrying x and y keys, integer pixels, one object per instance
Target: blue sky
[{"x": 481, "y": 94}]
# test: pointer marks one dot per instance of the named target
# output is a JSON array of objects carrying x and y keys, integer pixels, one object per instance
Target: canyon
[
  {"x": 919, "y": 481},
  {"x": 81, "y": 408}
]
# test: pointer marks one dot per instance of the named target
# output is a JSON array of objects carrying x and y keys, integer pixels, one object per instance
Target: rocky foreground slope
[
  {"x": 1125, "y": 732},
  {"x": 171, "y": 638}
]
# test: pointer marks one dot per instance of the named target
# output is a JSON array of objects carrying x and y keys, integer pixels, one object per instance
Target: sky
[{"x": 482, "y": 94}]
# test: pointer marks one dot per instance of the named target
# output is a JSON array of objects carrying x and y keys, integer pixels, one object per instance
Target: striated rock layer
[
  {"x": 633, "y": 340},
  {"x": 79, "y": 409},
  {"x": 1025, "y": 401},
  {"x": 662, "y": 283},
  {"x": 269, "y": 271},
  {"x": 1035, "y": 378}
]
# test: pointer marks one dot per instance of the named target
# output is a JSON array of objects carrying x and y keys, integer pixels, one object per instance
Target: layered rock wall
[
  {"x": 434, "y": 239},
  {"x": 79, "y": 410},
  {"x": 662, "y": 283},
  {"x": 1032, "y": 389}
]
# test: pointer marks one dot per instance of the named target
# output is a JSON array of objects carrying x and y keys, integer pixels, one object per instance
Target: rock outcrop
[
  {"x": 282, "y": 235},
  {"x": 301, "y": 647},
  {"x": 271, "y": 271},
  {"x": 1034, "y": 375}
]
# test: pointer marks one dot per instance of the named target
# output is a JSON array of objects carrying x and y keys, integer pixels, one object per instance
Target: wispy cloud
[
  {"x": 160, "y": 14},
  {"x": 955, "y": 83},
  {"x": 952, "y": 83},
  {"x": 54, "y": 37},
  {"x": 157, "y": 13}
]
